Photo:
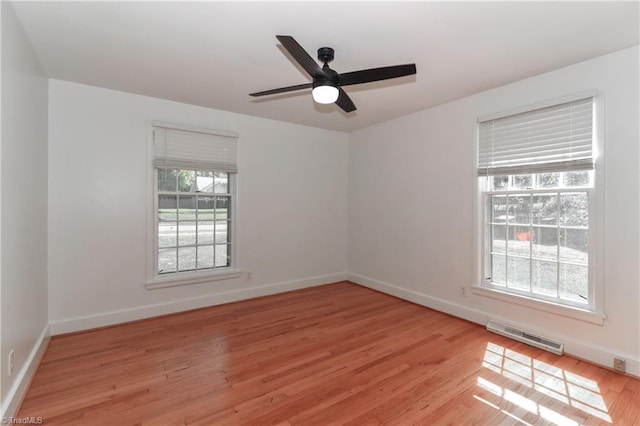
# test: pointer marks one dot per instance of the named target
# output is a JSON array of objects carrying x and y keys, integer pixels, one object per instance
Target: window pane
[
  {"x": 187, "y": 181},
  {"x": 222, "y": 202},
  {"x": 206, "y": 207},
  {"x": 205, "y": 232},
  {"x": 205, "y": 257},
  {"x": 544, "y": 277},
  {"x": 574, "y": 209},
  {"x": 545, "y": 243},
  {"x": 222, "y": 256},
  {"x": 499, "y": 235},
  {"x": 187, "y": 208},
  {"x": 518, "y": 274},
  {"x": 167, "y": 180},
  {"x": 548, "y": 180},
  {"x": 204, "y": 181},
  {"x": 497, "y": 183},
  {"x": 577, "y": 178},
  {"x": 186, "y": 233},
  {"x": 222, "y": 208},
  {"x": 545, "y": 209},
  {"x": 574, "y": 282},
  {"x": 519, "y": 209},
  {"x": 574, "y": 246},
  {"x": 167, "y": 207},
  {"x": 167, "y": 234},
  {"x": 221, "y": 183},
  {"x": 186, "y": 258},
  {"x": 499, "y": 208},
  {"x": 166, "y": 260},
  {"x": 521, "y": 182},
  {"x": 518, "y": 243},
  {"x": 222, "y": 235},
  {"x": 498, "y": 271}
]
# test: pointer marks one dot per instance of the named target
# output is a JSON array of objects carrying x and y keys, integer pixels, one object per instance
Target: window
[
  {"x": 536, "y": 237},
  {"x": 537, "y": 180},
  {"x": 194, "y": 221},
  {"x": 193, "y": 206}
]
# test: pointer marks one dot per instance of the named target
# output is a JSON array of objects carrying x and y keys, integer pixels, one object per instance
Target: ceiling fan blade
[
  {"x": 345, "y": 102},
  {"x": 376, "y": 74},
  {"x": 300, "y": 55},
  {"x": 283, "y": 89}
]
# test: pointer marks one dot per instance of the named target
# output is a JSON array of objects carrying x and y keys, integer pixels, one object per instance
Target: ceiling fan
[{"x": 327, "y": 84}]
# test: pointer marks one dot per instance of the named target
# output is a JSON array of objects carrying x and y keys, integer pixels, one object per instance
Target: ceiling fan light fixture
[{"x": 324, "y": 92}]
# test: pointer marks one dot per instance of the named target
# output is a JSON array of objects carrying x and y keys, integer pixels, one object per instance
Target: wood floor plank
[{"x": 334, "y": 354}]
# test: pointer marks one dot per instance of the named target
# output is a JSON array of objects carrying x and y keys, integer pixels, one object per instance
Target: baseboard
[
  {"x": 580, "y": 349},
  {"x": 16, "y": 393},
  {"x": 421, "y": 299},
  {"x": 126, "y": 315}
]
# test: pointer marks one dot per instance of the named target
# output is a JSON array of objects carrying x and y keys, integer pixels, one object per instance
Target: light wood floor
[{"x": 335, "y": 354}]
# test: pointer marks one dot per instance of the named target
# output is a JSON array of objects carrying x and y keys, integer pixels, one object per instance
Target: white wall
[
  {"x": 291, "y": 221},
  {"x": 23, "y": 277},
  {"x": 411, "y": 204}
]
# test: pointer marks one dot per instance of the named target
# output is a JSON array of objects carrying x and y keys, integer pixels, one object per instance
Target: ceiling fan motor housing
[
  {"x": 325, "y": 54},
  {"x": 328, "y": 77}
]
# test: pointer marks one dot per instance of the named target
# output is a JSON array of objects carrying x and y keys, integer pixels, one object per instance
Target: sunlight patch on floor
[{"x": 553, "y": 382}]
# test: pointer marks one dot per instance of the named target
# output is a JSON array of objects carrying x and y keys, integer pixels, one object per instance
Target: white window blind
[
  {"x": 554, "y": 138},
  {"x": 184, "y": 147}
]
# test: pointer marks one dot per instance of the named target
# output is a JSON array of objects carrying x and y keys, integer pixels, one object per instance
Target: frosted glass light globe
[{"x": 325, "y": 94}]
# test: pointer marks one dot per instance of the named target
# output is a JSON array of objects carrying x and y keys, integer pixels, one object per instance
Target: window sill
[
  {"x": 188, "y": 278},
  {"x": 542, "y": 305}
]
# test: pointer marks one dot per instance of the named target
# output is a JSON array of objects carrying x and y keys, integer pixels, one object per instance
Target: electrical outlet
[
  {"x": 463, "y": 291},
  {"x": 619, "y": 365},
  {"x": 249, "y": 276},
  {"x": 11, "y": 364}
]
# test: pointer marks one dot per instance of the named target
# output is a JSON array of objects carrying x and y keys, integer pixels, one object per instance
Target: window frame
[
  {"x": 594, "y": 312},
  {"x": 181, "y": 278}
]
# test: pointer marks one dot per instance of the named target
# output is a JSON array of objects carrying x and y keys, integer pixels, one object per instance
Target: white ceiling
[{"x": 214, "y": 53}]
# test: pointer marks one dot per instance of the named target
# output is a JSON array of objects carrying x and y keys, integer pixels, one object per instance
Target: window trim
[
  {"x": 197, "y": 277},
  {"x": 158, "y": 281},
  {"x": 596, "y": 313},
  {"x": 586, "y": 315}
]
